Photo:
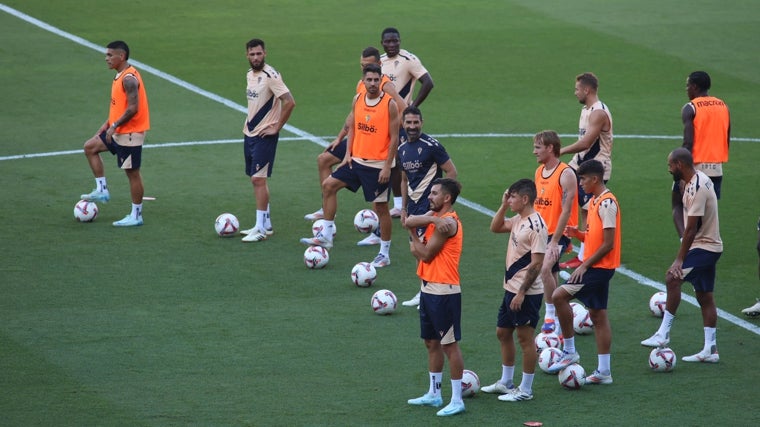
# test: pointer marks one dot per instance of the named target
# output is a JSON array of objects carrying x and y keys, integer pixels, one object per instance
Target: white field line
[{"x": 323, "y": 141}]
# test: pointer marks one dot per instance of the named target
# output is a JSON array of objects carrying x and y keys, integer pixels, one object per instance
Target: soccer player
[
  {"x": 557, "y": 202},
  {"x": 523, "y": 290},
  {"x": 706, "y": 128},
  {"x": 439, "y": 253},
  {"x": 698, "y": 255},
  {"x": 336, "y": 151},
  {"x": 404, "y": 69},
  {"x": 594, "y": 142},
  {"x": 590, "y": 282},
  {"x": 755, "y": 309},
  {"x": 269, "y": 106},
  {"x": 422, "y": 159},
  {"x": 123, "y": 133},
  {"x": 370, "y": 154}
]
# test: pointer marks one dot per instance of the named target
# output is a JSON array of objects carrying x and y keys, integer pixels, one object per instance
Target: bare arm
[
  {"x": 569, "y": 184},
  {"x": 608, "y": 243},
  {"x": 687, "y": 117},
  {"x": 676, "y": 201},
  {"x": 427, "y": 86},
  {"x": 449, "y": 169},
  {"x": 131, "y": 86},
  {"x": 288, "y": 103},
  {"x": 390, "y": 89},
  {"x": 689, "y": 232},
  {"x": 499, "y": 222},
  {"x": 426, "y": 252},
  {"x": 393, "y": 126},
  {"x": 532, "y": 271},
  {"x": 597, "y": 122}
]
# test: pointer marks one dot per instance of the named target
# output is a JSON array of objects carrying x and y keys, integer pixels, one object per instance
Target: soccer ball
[
  {"x": 657, "y": 304},
  {"x": 662, "y": 359},
  {"x": 85, "y": 211},
  {"x": 582, "y": 323},
  {"x": 319, "y": 225},
  {"x": 226, "y": 225},
  {"x": 576, "y": 307},
  {"x": 366, "y": 221},
  {"x": 316, "y": 257},
  {"x": 470, "y": 383},
  {"x": 547, "y": 340},
  {"x": 572, "y": 377},
  {"x": 548, "y": 357},
  {"x": 383, "y": 302},
  {"x": 363, "y": 274}
]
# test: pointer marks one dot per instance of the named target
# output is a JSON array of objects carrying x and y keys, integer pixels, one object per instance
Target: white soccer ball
[
  {"x": 662, "y": 359},
  {"x": 548, "y": 358},
  {"x": 366, "y": 221},
  {"x": 582, "y": 323},
  {"x": 319, "y": 226},
  {"x": 470, "y": 383},
  {"x": 547, "y": 340},
  {"x": 226, "y": 225},
  {"x": 316, "y": 257},
  {"x": 383, "y": 302},
  {"x": 363, "y": 274},
  {"x": 576, "y": 307},
  {"x": 657, "y": 304},
  {"x": 572, "y": 377},
  {"x": 85, "y": 211}
]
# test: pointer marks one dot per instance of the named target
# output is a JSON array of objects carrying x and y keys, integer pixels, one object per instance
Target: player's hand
[
  {"x": 577, "y": 276},
  {"x": 385, "y": 174},
  {"x": 109, "y": 134},
  {"x": 571, "y": 231},
  {"x": 675, "y": 270},
  {"x": 403, "y": 218},
  {"x": 333, "y": 145},
  {"x": 517, "y": 302},
  {"x": 552, "y": 252}
]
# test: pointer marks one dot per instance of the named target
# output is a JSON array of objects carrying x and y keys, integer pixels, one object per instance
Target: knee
[{"x": 325, "y": 160}]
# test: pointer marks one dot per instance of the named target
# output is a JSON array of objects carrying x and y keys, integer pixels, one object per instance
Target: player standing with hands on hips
[
  {"x": 123, "y": 134},
  {"x": 269, "y": 106},
  {"x": 438, "y": 255}
]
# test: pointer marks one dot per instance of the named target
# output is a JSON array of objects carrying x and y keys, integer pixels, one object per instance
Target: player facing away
[
  {"x": 269, "y": 106},
  {"x": 438, "y": 254},
  {"x": 557, "y": 202},
  {"x": 590, "y": 282},
  {"x": 523, "y": 290},
  {"x": 594, "y": 142},
  {"x": 754, "y": 310},
  {"x": 405, "y": 70},
  {"x": 123, "y": 133},
  {"x": 706, "y": 128},
  {"x": 701, "y": 247},
  {"x": 370, "y": 154},
  {"x": 423, "y": 159}
]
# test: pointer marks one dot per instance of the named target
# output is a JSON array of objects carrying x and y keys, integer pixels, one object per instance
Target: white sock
[
  {"x": 569, "y": 345},
  {"x": 385, "y": 248},
  {"x": 397, "y": 202},
  {"x": 711, "y": 343},
  {"x": 550, "y": 312},
  {"x": 136, "y": 211},
  {"x": 267, "y": 220},
  {"x": 666, "y": 324},
  {"x": 260, "y": 220},
  {"x": 604, "y": 364},
  {"x": 507, "y": 373},
  {"x": 329, "y": 230},
  {"x": 100, "y": 184},
  {"x": 435, "y": 383},
  {"x": 580, "y": 252},
  {"x": 456, "y": 390},
  {"x": 526, "y": 384}
]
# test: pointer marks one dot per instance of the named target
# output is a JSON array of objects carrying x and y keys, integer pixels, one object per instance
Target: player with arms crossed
[
  {"x": 269, "y": 106},
  {"x": 523, "y": 289},
  {"x": 123, "y": 134},
  {"x": 370, "y": 154},
  {"x": 423, "y": 159},
  {"x": 438, "y": 255},
  {"x": 557, "y": 202},
  {"x": 336, "y": 151},
  {"x": 698, "y": 255},
  {"x": 594, "y": 142},
  {"x": 590, "y": 282}
]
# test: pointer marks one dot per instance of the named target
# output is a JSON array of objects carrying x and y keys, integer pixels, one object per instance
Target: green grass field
[{"x": 168, "y": 324}]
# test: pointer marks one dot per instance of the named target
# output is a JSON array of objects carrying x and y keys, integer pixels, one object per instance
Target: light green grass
[{"x": 169, "y": 325}]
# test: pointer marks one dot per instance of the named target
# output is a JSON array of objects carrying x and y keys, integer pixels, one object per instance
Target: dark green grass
[{"x": 169, "y": 325}]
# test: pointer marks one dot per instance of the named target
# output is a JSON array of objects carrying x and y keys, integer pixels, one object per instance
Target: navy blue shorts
[
  {"x": 702, "y": 264},
  {"x": 126, "y": 157},
  {"x": 594, "y": 289},
  {"x": 259, "y": 152},
  {"x": 365, "y": 177},
  {"x": 528, "y": 314},
  {"x": 439, "y": 314},
  {"x": 339, "y": 150}
]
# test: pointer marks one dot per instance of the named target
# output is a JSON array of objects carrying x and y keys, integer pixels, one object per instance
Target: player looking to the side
[
  {"x": 123, "y": 133},
  {"x": 557, "y": 202},
  {"x": 594, "y": 142},
  {"x": 438, "y": 255},
  {"x": 523, "y": 290},
  {"x": 698, "y": 254},
  {"x": 590, "y": 282},
  {"x": 269, "y": 107}
]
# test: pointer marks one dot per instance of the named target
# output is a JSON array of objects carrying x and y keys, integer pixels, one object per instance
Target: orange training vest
[
  {"x": 444, "y": 268},
  {"x": 140, "y": 122},
  {"x": 711, "y": 122},
  {"x": 549, "y": 198},
  {"x": 372, "y": 138},
  {"x": 595, "y": 233}
]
